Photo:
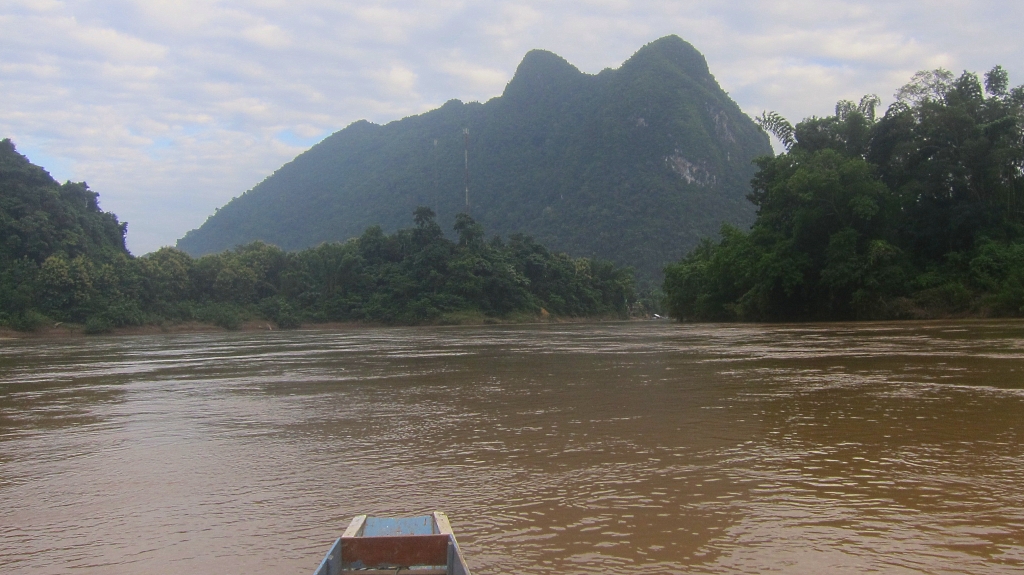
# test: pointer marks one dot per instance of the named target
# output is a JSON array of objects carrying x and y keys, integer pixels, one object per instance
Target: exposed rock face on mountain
[{"x": 634, "y": 165}]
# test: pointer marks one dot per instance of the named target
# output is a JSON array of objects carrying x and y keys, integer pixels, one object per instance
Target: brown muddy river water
[{"x": 644, "y": 447}]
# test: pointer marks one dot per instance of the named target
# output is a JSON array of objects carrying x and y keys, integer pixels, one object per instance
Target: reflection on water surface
[{"x": 605, "y": 448}]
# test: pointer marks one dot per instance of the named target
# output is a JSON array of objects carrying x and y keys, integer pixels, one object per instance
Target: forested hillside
[
  {"x": 56, "y": 246},
  {"x": 633, "y": 165},
  {"x": 63, "y": 260},
  {"x": 919, "y": 213},
  {"x": 40, "y": 218}
]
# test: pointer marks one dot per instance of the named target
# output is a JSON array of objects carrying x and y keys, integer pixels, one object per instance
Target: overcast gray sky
[{"x": 169, "y": 108}]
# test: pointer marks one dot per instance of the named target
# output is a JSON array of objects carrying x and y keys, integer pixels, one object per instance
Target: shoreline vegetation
[
  {"x": 916, "y": 214},
  {"x": 63, "y": 262}
]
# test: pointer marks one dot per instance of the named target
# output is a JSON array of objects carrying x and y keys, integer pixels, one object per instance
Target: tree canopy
[
  {"x": 918, "y": 213},
  {"x": 40, "y": 218}
]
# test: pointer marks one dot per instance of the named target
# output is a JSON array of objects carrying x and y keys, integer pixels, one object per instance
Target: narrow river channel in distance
[{"x": 626, "y": 448}]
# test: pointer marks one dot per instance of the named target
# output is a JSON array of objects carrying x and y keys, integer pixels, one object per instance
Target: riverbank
[
  {"x": 62, "y": 330},
  {"x": 65, "y": 330}
]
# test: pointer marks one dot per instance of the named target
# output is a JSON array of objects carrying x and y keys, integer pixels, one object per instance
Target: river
[{"x": 634, "y": 447}]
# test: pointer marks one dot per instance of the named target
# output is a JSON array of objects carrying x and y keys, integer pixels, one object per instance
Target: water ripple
[{"x": 632, "y": 447}]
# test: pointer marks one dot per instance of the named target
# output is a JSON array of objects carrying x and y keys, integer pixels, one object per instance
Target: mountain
[{"x": 633, "y": 165}]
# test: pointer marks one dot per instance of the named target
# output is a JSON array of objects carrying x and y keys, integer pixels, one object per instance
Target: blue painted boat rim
[{"x": 384, "y": 526}]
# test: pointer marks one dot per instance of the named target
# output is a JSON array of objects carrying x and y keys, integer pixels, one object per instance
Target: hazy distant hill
[{"x": 632, "y": 165}]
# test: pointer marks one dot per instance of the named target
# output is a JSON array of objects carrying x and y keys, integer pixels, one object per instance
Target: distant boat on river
[{"x": 423, "y": 545}]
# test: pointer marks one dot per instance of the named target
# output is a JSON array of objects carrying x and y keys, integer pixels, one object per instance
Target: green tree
[{"x": 916, "y": 212}]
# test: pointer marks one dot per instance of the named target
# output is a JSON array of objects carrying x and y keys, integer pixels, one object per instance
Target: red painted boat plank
[{"x": 394, "y": 551}]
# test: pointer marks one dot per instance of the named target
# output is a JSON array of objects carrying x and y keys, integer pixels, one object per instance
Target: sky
[{"x": 170, "y": 108}]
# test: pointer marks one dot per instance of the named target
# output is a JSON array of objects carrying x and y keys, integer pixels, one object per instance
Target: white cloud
[
  {"x": 110, "y": 43},
  {"x": 169, "y": 108},
  {"x": 267, "y": 35},
  {"x": 398, "y": 81},
  {"x": 38, "y": 5},
  {"x": 480, "y": 79}
]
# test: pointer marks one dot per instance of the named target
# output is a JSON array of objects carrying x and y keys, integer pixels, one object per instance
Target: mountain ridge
[{"x": 633, "y": 164}]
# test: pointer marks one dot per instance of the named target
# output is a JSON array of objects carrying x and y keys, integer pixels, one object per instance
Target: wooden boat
[{"x": 423, "y": 545}]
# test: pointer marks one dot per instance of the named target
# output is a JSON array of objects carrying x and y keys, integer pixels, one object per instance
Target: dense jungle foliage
[
  {"x": 919, "y": 213},
  {"x": 62, "y": 259},
  {"x": 633, "y": 165}
]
